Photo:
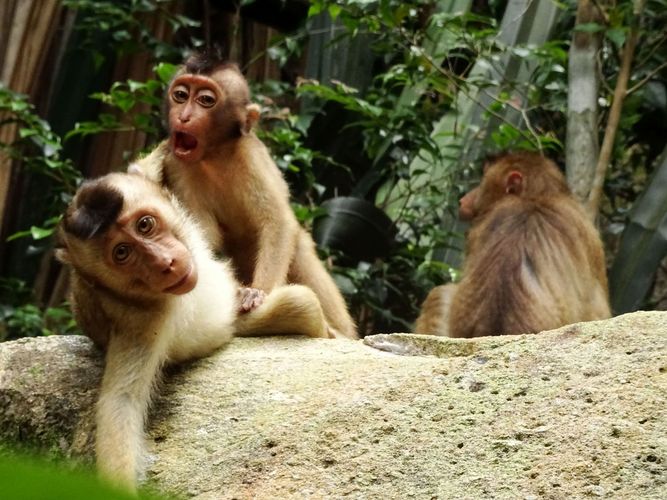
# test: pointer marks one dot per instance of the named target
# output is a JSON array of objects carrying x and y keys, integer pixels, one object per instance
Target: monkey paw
[{"x": 250, "y": 298}]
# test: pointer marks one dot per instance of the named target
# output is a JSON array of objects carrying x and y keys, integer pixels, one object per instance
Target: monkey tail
[{"x": 290, "y": 309}]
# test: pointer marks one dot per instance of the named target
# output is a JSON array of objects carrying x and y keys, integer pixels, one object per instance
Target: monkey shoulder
[
  {"x": 151, "y": 165},
  {"x": 262, "y": 165},
  {"x": 98, "y": 309},
  {"x": 89, "y": 312},
  {"x": 513, "y": 216}
]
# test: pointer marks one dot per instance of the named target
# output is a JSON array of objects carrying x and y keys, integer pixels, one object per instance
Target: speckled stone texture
[{"x": 576, "y": 412}]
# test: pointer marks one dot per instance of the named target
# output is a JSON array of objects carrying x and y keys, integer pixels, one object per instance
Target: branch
[
  {"x": 620, "y": 92},
  {"x": 647, "y": 78}
]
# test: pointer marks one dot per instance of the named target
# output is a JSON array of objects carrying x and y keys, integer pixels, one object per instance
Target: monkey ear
[
  {"x": 514, "y": 183},
  {"x": 252, "y": 117}
]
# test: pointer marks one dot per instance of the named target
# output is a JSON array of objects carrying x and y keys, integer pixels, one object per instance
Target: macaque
[
  {"x": 434, "y": 314},
  {"x": 533, "y": 260},
  {"x": 146, "y": 288},
  {"x": 225, "y": 176}
]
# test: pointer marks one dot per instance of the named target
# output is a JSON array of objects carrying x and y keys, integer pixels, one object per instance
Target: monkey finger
[{"x": 250, "y": 298}]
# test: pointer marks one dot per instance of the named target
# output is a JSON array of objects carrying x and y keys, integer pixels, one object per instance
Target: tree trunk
[{"x": 582, "y": 146}]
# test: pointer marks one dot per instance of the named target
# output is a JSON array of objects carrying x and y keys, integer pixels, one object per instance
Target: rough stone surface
[{"x": 573, "y": 413}]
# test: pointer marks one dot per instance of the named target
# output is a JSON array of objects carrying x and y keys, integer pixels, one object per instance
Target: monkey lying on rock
[{"x": 146, "y": 289}]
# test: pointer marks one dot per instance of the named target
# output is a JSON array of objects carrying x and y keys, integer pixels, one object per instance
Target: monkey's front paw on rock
[{"x": 250, "y": 298}]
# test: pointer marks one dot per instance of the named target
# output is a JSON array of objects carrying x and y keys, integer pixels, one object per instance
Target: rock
[{"x": 577, "y": 412}]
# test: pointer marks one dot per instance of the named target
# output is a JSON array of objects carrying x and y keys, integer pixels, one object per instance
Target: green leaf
[
  {"x": 26, "y": 132},
  {"x": 18, "y": 235},
  {"x": 165, "y": 71},
  {"x": 39, "y": 233},
  {"x": 135, "y": 85},
  {"x": 315, "y": 9},
  {"x": 19, "y": 106},
  {"x": 334, "y": 11},
  {"x": 617, "y": 36},
  {"x": 589, "y": 28}
]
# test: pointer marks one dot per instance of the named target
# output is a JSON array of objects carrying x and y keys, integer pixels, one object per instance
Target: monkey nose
[{"x": 168, "y": 266}]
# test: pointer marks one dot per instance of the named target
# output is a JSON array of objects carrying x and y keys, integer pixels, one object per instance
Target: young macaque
[
  {"x": 146, "y": 288},
  {"x": 225, "y": 176},
  {"x": 533, "y": 261}
]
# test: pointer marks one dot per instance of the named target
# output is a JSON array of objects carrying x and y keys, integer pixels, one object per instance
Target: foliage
[
  {"x": 24, "y": 477},
  {"x": 285, "y": 134},
  {"x": 38, "y": 148},
  {"x": 125, "y": 22},
  {"x": 137, "y": 101},
  {"x": 385, "y": 294},
  {"x": 20, "y": 317},
  {"x": 386, "y": 128},
  {"x": 395, "y": 134}
]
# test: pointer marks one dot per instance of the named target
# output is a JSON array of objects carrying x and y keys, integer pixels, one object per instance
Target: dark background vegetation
[{"x": 389, "y": 103}]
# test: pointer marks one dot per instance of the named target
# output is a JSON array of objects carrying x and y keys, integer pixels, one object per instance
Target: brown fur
[
  {"x": 239, "y": 196},
  {"x": 434, "y": 315},
  {"x": 533, "y": 260},
  {"x": 168, "y": 303}
]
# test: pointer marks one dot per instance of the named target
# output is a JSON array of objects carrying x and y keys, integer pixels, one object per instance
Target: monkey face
[
  {"x": 143, "y": 249},
  {"x": 194, "y": 103},
  {"x": 207, "y": 111},
  {"x": 121, "y": 231}
]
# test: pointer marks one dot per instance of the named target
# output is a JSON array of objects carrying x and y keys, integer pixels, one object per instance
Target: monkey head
[
  {"x": 521, "y": 173},
  {"x": 117, "y": 237},
  {"x": 206, "y": 109}
]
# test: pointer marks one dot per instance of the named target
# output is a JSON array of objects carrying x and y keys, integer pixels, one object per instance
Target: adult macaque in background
[
  {"x": 146, "y": 288},
  {"x": 533, "y": 260},
  {"x": 434, "y": 314},
  {"x": 224, "y": 175}
]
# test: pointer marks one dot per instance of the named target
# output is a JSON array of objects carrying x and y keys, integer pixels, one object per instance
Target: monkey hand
[{"x": 250, "y": 298}]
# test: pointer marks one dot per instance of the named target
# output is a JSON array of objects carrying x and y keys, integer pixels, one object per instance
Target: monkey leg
[
  {"x": 290, "y": 309},
  {"x": 434, "y": 315},
  {"x": 307, "y": 269}
]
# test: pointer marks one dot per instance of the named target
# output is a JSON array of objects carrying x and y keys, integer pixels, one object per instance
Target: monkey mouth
[
  {"x": 184, "y": 144},
  {"x": 185, "y": 284}
]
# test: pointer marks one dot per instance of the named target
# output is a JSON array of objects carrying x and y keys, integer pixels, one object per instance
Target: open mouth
[{"x": 184, "y": 143}]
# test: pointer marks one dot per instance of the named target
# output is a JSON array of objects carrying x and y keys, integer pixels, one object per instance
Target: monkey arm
[
  {"x": 276, "y": 229},
  {"x": 276, "y": 247},
  {"x": 129, "y": 375}
]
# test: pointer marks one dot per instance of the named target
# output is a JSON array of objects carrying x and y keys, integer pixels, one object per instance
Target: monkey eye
[
  {"x": 179, "y": 95},
  {"x": 206, "y": 100},
  {"x": 121, "y": 253},
  {"x": 146, "y": 224}
]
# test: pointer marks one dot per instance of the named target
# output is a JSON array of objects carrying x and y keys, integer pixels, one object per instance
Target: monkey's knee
[{"x": 435, "y": 311}]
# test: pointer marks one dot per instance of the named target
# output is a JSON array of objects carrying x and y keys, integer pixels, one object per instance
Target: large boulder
[{"x": 579, "y": 411}]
